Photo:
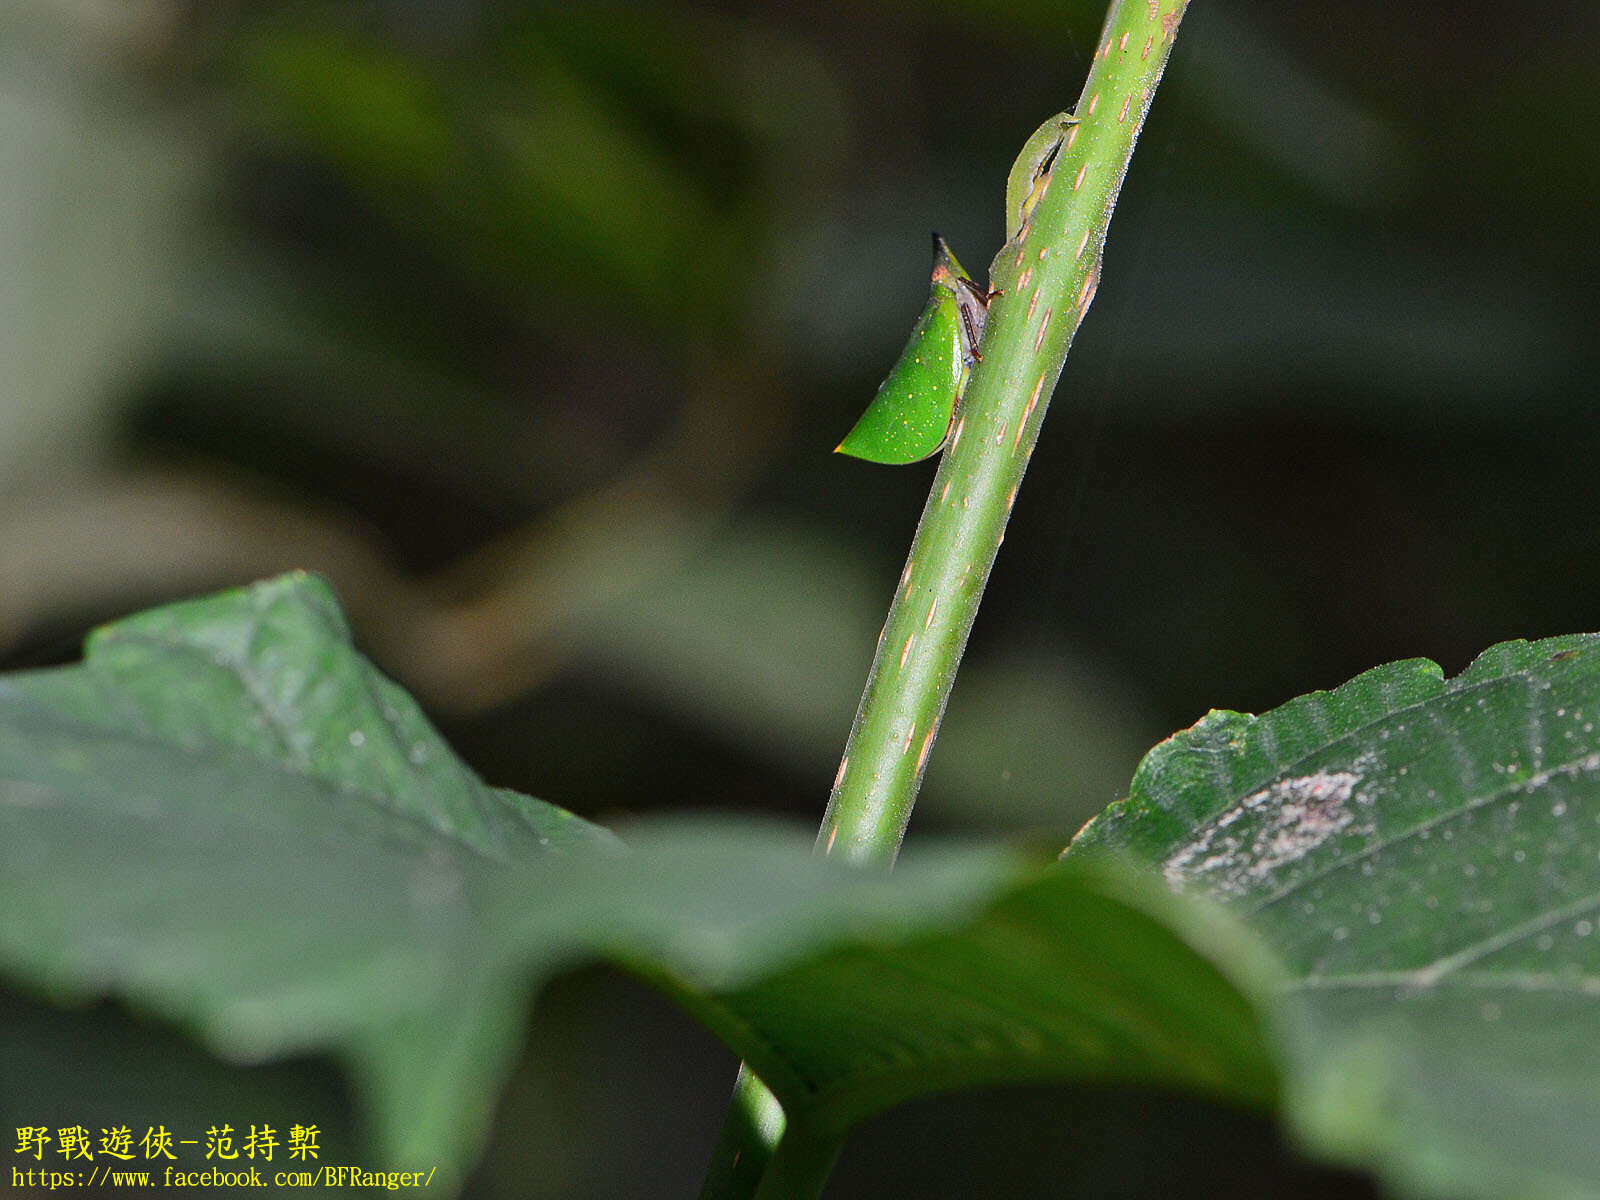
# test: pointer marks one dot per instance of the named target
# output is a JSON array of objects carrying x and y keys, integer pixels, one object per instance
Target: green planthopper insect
[
  {"x": 910, "y": 417},
  {"x": 1030, "y": 174}
]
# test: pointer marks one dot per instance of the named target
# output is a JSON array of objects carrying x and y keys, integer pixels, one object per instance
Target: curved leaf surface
[{"x": 1424, "y": 854}]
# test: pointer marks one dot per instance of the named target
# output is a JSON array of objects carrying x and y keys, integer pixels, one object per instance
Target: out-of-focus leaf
[
  {"x": 226, "y": 816},
  {"x": 665, "y": 58},
  {"x": 552, "y": 175},
  {"x": 1306, "y": 126},
  {"x": 1425, "y": 856},
  {"x": 370, "y": 108},
  {"x": 94, "y": 192}
]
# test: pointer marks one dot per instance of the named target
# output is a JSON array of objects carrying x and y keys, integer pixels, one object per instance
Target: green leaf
[
  {"x": 226, "y": 816},
  {"x": 228, "y": 819},
  {"x": 1425, "y": 856},
  {"x": 1082, "y": 975}
]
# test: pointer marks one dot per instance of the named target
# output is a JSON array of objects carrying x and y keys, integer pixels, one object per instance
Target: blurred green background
[{"x": 532, "y": 327}]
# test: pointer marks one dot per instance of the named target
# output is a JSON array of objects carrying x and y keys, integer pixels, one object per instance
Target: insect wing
[{"x": 909, "y": 418}]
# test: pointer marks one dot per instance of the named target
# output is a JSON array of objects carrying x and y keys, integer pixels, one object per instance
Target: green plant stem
[
  {"x": 800, "y": 1166},
  {"x": 1047, "y": 274},
  {"x": 744, "y": 1148}
]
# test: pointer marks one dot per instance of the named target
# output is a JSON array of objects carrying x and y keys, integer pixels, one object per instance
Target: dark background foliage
[{"x": 532, "y": 327}]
